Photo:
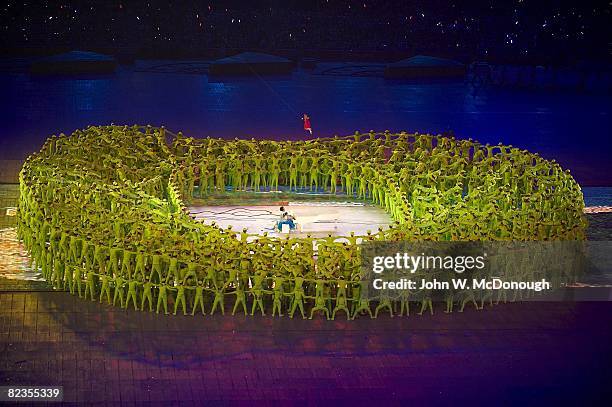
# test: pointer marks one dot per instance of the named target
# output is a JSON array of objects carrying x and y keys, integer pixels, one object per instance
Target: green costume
[
  {"x": 297, "y": 297},
  {"x": 132, "y": 294},
  {"x": 198, "y": 300}
]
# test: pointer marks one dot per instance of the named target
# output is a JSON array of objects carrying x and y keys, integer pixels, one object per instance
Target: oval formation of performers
[{"x": 102, "y": 213}]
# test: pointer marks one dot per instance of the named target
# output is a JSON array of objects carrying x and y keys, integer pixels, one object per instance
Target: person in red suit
[{"x": 307, "y": 126}]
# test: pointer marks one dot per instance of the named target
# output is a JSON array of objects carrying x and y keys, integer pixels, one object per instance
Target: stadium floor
[
  {"x": 507, "y": 354},
  {"x": 316, "y": 219}
]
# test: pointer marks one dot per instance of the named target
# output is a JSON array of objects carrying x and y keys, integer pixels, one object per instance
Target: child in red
[{"x": 307, "y": 126}]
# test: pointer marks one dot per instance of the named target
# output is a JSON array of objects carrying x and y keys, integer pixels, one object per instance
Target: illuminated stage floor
[
  {"x": 316, "y": 219},
  {"x": 14, "y": 260}
]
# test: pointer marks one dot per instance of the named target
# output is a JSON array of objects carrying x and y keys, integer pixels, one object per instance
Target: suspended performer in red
[{"x": 307, "y": 126}]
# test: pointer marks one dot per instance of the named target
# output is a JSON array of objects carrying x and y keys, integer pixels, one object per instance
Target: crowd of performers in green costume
[{"x": 103, "y": 214}]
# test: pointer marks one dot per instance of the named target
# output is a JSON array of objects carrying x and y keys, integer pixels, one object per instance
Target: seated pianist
[{"x": 286, "y": 219}]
